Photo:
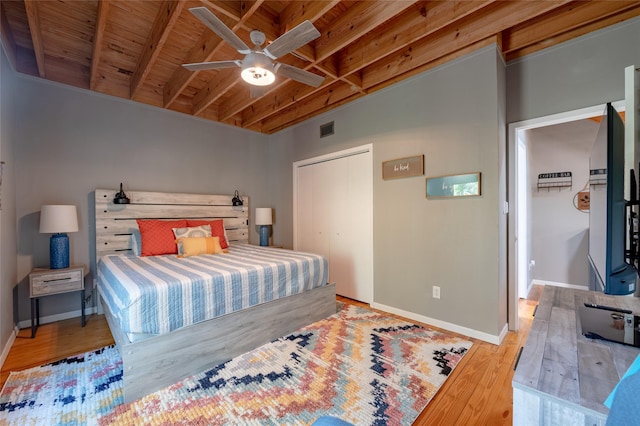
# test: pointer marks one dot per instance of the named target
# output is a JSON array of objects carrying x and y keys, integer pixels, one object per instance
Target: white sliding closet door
[{"x": 333, "y": 205}]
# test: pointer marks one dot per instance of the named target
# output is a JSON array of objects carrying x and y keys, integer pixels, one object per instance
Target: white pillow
[{"x": 192, "y": 232}]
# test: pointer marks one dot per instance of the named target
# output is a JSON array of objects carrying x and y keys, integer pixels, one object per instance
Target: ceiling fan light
[
  {"x": 257, "y": 69},
  {"x": 258, "y": 76}
]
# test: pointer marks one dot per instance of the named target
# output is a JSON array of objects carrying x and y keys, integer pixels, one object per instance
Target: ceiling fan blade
[
  {"x": 256, "y": 91},
  {"x": 199, "y": 66},
  {"x": 291, "y": 40},
  {"x": 299, "y": 75},
  {"x": 219, "y": 27}
]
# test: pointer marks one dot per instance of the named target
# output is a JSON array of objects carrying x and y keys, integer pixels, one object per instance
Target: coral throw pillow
[
  {"x": 217, "y": 229},
  {"x": 157, "y": 236}
]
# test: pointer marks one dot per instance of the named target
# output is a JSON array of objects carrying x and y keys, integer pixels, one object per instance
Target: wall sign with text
[
  {"x": 465, "y": 185},
  {"x": 403, "y": 167}
]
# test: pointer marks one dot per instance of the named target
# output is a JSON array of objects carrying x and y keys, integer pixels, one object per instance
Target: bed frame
[{"x": 160, "y": 361}]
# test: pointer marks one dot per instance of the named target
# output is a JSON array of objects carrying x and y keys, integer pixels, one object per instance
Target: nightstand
[{"x": 45, "y": 282}]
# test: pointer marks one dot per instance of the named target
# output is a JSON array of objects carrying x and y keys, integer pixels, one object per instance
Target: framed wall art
[
  {"x": 403, "y": 167},
  {"x": 465, "y": 185}
]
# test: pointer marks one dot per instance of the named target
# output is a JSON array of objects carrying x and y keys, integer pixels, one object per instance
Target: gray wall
[
  {"x": 580, "y": 73},
  {"x": 8, "y": 211},
  {"x": 73, "y": 141},
  {"x": 560, "y": 232},
  {"x": 451, "y": 115}
]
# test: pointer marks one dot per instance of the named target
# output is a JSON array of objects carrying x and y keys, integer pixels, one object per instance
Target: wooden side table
[{"x": 45, "y": 282}]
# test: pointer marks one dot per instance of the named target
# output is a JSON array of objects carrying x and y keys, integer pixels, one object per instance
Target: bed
[{"x": 214, "y": 306}]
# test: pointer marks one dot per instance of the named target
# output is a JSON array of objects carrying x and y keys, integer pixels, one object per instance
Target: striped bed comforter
[{"x": 158, "y": 294}]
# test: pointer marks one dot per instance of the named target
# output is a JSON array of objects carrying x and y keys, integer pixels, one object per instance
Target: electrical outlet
[{"x": 436, "y": 292}]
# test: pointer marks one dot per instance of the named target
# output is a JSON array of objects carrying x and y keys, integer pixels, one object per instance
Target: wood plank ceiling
[{"x": 134, "y": 49}]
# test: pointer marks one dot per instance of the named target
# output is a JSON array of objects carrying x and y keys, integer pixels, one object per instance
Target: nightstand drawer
[{"x": 57, "y": 282}]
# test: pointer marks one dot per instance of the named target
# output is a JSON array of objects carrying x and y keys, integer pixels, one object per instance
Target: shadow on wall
[
  {"x": 91, "y": 223},
  {"x": 34, "y": 246},
  {"x": 31, "y": 242},
  {"x": 579, "y": 262}
]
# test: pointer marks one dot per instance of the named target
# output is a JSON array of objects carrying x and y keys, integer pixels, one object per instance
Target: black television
[{"x": 608, "y": 254}]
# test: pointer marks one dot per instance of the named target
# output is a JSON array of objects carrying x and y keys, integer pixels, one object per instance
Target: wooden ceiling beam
[
  {"x": 249, "y": 7},
  {"x": 215, "y": 89},
  {"x": 478, "y": 26},
  {"x": 330, "y": 96},
  {"x": 417, "y": 22},
  {"x": 230, "y": 9},
  {"x": 245, "y": 15},
  {"x": 565, "y": 19},
  {"x": 580, "y": 31},
  {"x": 361, "y": 18},
  {"x": 31, "y": 6},
  {"x": 288, "y": 94},
  {"x": 98, "y": 34},
  {"x": 202, "y": 51},
  {"x": 299, "y": 11},
  {"x": 163, "y": 25},
  {"x": 330, "y": 67},
  {"x": 450, "y": 56}
]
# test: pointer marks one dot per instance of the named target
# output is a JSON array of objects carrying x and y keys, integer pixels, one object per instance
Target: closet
[{"x": 333, "y": 216}]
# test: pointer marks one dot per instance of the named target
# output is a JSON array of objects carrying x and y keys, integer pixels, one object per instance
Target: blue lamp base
[
  {"x": 264, "y": 235},
  {"x": 59, "y": 251}
]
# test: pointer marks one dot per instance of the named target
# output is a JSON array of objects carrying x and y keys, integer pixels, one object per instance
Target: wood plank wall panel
[{"x": 115, "y": 222}]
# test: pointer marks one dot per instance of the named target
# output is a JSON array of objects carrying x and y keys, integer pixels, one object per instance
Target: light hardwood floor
[{"x": 478, "y": 391}]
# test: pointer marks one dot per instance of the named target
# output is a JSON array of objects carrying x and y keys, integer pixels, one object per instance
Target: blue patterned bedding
[{"x": 158, "y": 294}]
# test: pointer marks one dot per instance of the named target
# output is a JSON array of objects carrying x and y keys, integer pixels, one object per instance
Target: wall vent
[{"x": 326, "y": 129}]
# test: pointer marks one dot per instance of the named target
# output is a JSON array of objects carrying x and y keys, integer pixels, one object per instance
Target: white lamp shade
[
  {"x": 58, "y": 219},
  {"x": 263, "y": 216}
]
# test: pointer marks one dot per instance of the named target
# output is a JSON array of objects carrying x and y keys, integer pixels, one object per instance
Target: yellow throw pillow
[{"x": 193, "y": 246}]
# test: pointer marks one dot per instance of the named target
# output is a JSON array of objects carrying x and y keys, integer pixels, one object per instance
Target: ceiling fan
[{"x": 258, "y": 68}]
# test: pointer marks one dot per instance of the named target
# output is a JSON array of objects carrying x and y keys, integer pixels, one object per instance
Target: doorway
[{"x": 519, "y": 243}]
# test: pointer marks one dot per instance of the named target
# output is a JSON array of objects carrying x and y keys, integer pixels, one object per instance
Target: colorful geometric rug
[
  {"x": 358, "y": 365},
  {"x": 73, "y": 391}
]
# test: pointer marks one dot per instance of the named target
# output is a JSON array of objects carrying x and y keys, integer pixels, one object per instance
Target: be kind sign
[{"x": 403, "y": 167}]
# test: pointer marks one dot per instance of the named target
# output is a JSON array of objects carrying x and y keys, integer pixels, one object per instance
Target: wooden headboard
[{"x": 115, "y": 222}]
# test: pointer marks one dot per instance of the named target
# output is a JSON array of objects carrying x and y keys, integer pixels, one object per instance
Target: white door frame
[{"x": 512, "y": 164}]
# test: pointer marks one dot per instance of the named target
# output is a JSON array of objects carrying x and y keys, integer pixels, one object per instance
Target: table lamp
[
  {"x": 57, "y": 220},
  {"x": 264, "y": 219}
]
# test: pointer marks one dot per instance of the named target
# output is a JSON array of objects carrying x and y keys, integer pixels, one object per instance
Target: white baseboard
[
  {"x": 58, "y": 317},
  {"x": 490, "y": 338},
  {"x": 573, "y": 286},
  {"x": 7, "y": 347}
]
